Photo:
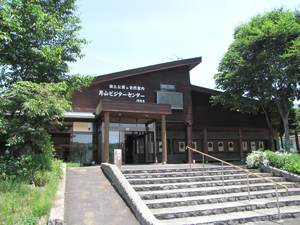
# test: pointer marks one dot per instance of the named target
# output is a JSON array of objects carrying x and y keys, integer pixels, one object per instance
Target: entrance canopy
[
  {"x": 133, "y": 109},
  {"x": 151, "y": 111}
]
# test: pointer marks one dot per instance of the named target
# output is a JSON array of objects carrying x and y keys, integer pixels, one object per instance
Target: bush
[
  {"x": 281, "y": 160},
  {"x": 33, "y": 168},
  {"x": 254, "y": 159}
]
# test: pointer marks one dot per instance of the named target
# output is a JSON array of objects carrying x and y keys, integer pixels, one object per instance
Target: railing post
[
  {"x": 279, "y": 217},
  {"x": 203, "y": 164},
  {"x": 248, "y": 186},
  {"x": 190, "y": 158},
  {"x": 223, "y": 176}
]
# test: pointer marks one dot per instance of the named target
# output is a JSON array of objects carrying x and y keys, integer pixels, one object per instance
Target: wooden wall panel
[
  {"x": 148, "y": 84},
  {"x": 205, "y": 115}
]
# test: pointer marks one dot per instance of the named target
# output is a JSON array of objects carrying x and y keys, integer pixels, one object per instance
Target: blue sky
[{"x": 128, "y": 34}]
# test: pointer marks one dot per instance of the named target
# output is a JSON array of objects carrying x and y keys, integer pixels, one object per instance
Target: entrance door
[{"x": 149, "y": 147}]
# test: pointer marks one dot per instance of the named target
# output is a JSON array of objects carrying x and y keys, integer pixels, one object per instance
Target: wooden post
[
  {"x": 189, "y": 142},
  {"x": 205, "y": 142},
  {"x": 164, "y": 139},
  {"x": 105, "y": 150},
  {"x": 241, "y": 144}
]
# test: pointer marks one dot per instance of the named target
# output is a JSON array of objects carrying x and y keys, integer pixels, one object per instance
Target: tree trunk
[{"x": 285, "y": 121}]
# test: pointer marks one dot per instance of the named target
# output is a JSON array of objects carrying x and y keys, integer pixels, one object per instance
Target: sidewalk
[{"x": 90, "y": 199}]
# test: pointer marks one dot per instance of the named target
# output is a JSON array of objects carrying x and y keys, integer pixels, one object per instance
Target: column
[
  {"x": 164, "y": 139},
  {"x": 105, "y": 150},
  {"x": 205, "y": 142},
  {"x": 241, "y": 144},
  {"x": 189, "y": 142}
]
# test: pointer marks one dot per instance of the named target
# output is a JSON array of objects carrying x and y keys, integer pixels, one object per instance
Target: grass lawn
[{"x": 22, "y": 203}]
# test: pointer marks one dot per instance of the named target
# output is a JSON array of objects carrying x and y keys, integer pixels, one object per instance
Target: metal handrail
[{"x": 247, "y": 171}]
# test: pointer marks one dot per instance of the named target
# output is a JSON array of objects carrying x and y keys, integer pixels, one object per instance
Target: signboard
[
  {"x": 118, "y": 158},
  {"x": 130, "y": 92}
]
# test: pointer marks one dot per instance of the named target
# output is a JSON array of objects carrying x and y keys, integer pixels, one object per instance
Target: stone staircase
[{"x": 191, "y": 196}]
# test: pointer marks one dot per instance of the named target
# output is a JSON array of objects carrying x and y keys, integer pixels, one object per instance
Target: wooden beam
[
  {"x": 164, "y": 139},
  {"x": 241, "y": 144},
  {"x": 105, "y": 150}
]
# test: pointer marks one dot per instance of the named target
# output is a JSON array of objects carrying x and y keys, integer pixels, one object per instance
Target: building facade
[{"x": 154, "y": 113}]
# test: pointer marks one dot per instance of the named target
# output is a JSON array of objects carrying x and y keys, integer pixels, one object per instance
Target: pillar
[
  {"x": 205, "y": 142},
  {"x": 164, "y": 139},
  {"x": 241, "y": 144},
  {"x": 105, "y": 151},
  {"x": 189, "y": 142}
]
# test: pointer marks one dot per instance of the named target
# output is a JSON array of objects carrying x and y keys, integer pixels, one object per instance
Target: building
[{"x": 153, "y": 113}]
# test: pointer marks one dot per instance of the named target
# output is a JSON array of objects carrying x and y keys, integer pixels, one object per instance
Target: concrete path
[{"x": 91, "y": 199}]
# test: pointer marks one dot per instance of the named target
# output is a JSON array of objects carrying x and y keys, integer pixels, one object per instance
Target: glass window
[
  {"x": 114, "y": 143},
  {"x": 170, "y": 87},
  {"x": 173, "y": 98},
  {"x": 82, "y": 148}
]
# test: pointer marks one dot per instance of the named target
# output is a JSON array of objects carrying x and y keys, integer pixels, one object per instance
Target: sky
[{"x": 129, "y": 34}]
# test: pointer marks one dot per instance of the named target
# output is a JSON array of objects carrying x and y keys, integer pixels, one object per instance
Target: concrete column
[
  {"x": 105, "y": 150},
  {"x": 164, "y": 139},
  {"x": 241, "y": 144},
  {"x": 205, "y": 142}
]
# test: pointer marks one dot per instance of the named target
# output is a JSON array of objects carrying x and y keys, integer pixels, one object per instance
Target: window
[
  {"x": 172, "y": 98},
  {"x": 167, "y": 87}
]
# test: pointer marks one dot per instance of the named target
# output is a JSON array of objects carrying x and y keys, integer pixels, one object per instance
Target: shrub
[
  {"x": 281, "y": 160},
  {"x": 254, "y": 159}
]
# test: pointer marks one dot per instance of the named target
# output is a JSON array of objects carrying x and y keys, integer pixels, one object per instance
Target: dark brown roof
[
  {"x": 205, "y": 90},
  {"x": 191, "y": 63}
]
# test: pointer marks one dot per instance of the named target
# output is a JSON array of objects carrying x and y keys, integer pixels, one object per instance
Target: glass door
[{"x": 149, "y": 147}]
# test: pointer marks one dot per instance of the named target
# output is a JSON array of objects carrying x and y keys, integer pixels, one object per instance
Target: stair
[{"x": 194, "y": 196}]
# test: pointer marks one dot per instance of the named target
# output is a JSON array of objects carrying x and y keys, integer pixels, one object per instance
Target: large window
[{"x": 172, "y": 98}]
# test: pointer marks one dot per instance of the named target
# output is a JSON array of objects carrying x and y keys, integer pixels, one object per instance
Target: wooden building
[{"x": 153, "y": 113}]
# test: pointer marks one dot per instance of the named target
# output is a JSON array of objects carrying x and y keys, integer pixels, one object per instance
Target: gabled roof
[{"x": 191, "y": 63}]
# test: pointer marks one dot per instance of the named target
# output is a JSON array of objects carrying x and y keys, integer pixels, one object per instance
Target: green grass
[
  {"x": 71, "y": 164},
  {"x": 22, "y": 203}
]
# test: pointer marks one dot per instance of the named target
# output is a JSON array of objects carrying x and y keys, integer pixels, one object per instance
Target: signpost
[{"x": 118, "y": 157}]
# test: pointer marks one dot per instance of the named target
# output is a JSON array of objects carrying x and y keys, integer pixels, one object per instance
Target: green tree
[
  {"x": 26, "y": 111},
  {"x": 262, "y": 64},
  {"x": 37, "y": 40}
]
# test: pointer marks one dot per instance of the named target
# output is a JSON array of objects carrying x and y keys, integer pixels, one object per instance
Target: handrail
[{"x": 247, "y": 171}]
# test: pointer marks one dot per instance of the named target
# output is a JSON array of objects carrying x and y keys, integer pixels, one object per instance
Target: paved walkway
[{"x": 90, "y": 199}]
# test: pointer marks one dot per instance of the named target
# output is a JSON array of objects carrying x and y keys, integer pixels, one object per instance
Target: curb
[
  {"x": 136, "y": 204},
  {"x": 289, "y": 176},
  {"x": 57, "y": 211}
]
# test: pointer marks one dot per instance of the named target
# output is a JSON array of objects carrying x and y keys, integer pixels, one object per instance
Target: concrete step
[
  {"x": 216, "y": 167},
  {"x": 153, "y": 187},
  {"x": 221, "y": 198},
  {"x": 183, "y": 174},
  {"x": 210, "y": 190},
  {"x": 221, "y": 208},
  {"x": 193, "y": 179},
  {"x": 239, "y": 217}
]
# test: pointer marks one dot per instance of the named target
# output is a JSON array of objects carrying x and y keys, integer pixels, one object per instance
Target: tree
[
  {"x": 37, "y": 40},
  {"x": 27, "y": 110},
  {"x": 262, "y": 63}
]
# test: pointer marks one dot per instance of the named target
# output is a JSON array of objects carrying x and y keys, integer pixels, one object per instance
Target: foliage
[
  {"x": 254, "y": 159},
  {"x": 26, "y": 204},
  {"x": 37, "y": 40},
  {"x": 262, "y": 65},
  {"x": 281, "y": 160},
  {"x": 26, "y": 110}
]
